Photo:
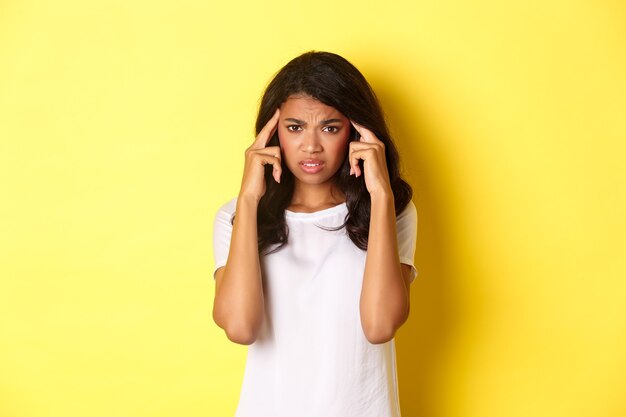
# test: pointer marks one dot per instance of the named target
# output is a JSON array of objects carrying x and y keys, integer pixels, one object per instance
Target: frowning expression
[{"x": 313, "y": 139}]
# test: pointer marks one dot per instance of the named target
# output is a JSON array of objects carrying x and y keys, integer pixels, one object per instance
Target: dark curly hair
[{"x": 334, "y": 81}]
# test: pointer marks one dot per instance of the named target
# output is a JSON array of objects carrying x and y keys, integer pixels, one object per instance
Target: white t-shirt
[{"x": 311, "y": 357}]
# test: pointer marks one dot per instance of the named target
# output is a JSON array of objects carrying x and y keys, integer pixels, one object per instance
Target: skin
[
  {"x": 309, "y": 129},
  {"x": 384, "y": 303}
]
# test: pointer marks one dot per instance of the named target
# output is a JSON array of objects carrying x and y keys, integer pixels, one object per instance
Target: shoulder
[
  {"x": 227, "y": 209},
  {"x": 410, "y": 211},
  {"x": 229, "y": 206}
]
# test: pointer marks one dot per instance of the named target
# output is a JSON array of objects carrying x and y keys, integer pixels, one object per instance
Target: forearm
[
  {"x": 384, "y": 303},
  {"x": 239, "y": 302}
]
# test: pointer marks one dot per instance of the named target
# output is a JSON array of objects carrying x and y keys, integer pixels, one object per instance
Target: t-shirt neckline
[{"x": 314, "y": 215}]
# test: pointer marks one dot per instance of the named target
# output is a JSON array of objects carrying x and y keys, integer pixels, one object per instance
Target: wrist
[
  {"x": 382, "y": 195},
  {"x": 248, "y": 200}
]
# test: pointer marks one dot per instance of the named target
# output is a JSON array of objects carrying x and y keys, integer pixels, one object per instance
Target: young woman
[{"x": 314, "y": 257}]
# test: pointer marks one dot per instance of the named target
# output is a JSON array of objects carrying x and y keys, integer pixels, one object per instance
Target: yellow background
[{"x": 123, "y": 126}]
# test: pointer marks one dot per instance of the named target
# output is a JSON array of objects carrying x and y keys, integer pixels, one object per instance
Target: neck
[{"x": 316, "y": 196}]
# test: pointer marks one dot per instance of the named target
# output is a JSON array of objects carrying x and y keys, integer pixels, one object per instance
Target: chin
[{"x": 313, "y": 181}]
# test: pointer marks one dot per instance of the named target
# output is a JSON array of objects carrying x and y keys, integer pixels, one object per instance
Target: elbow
[
  {"x": 381, "y": 331},
  {"x": 377, "y": 334},
  {"x": 242, "y": 335},
  {"x": 237, "y": 332}
]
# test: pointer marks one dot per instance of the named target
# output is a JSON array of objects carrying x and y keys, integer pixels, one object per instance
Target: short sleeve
[
  {"x": 406, "y": 227},
  {"x": 222, "y": 231}
]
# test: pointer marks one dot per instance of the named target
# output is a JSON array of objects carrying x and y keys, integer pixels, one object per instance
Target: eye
[
  {"x": 293, "y": 128},
  {"x": 332, "y": 129}
]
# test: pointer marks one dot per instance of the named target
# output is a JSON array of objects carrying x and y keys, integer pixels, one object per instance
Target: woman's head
[
  {"x": 325, "y": 84},
  {"x": 330, "y": 79}
]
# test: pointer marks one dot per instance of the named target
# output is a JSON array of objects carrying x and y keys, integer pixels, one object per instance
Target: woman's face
[{"x": 313, "y": 139}]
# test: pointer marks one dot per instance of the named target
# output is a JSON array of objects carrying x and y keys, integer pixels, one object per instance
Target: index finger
[
  {"x": 366, "y": 134},
  {"x": 268, "y": 130}
]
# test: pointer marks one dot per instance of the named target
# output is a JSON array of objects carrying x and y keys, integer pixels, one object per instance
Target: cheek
[
  {"x": 280, "y": 137},
  {"x": 286, "y": 149},
  {"x": 342, "y": 147},
  {"x": 282, "y": 142}
]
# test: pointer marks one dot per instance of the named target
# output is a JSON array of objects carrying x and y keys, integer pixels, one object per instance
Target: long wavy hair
[{"x": 334, "y": 81}]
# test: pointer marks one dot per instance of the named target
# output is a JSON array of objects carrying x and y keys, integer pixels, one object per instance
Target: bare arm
[
  {"x": 238, "y": 307},
  {"x": 384, "y": 303},
  {"x": 385, "y": 300}
]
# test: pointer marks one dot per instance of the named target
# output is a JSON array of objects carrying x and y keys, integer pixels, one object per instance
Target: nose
[{"x": 311, "y": 143}]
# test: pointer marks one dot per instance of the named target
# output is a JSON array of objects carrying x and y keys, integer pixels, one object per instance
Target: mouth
[{"x": 311, "y": 166}]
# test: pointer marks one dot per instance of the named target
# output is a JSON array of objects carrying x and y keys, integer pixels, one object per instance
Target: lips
[{"x": 311, "y": 166}]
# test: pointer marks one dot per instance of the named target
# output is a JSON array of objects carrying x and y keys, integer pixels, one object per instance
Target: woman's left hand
[{"x": 372, "y": 151}]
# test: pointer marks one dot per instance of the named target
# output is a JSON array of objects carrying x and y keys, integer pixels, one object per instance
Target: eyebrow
[{"x": 323, "y": 122}]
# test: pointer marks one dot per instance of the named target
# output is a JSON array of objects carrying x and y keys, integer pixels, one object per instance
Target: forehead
[{"x": 304, "y": 105}]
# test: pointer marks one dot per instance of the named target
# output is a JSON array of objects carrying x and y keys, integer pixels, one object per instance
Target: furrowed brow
[
  {"x": 329, "y": 121},
  {"x": 303, "y": 123}
]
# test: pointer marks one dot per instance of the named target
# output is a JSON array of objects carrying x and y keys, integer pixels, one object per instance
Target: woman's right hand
[{"x": 257, "y": 156}]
